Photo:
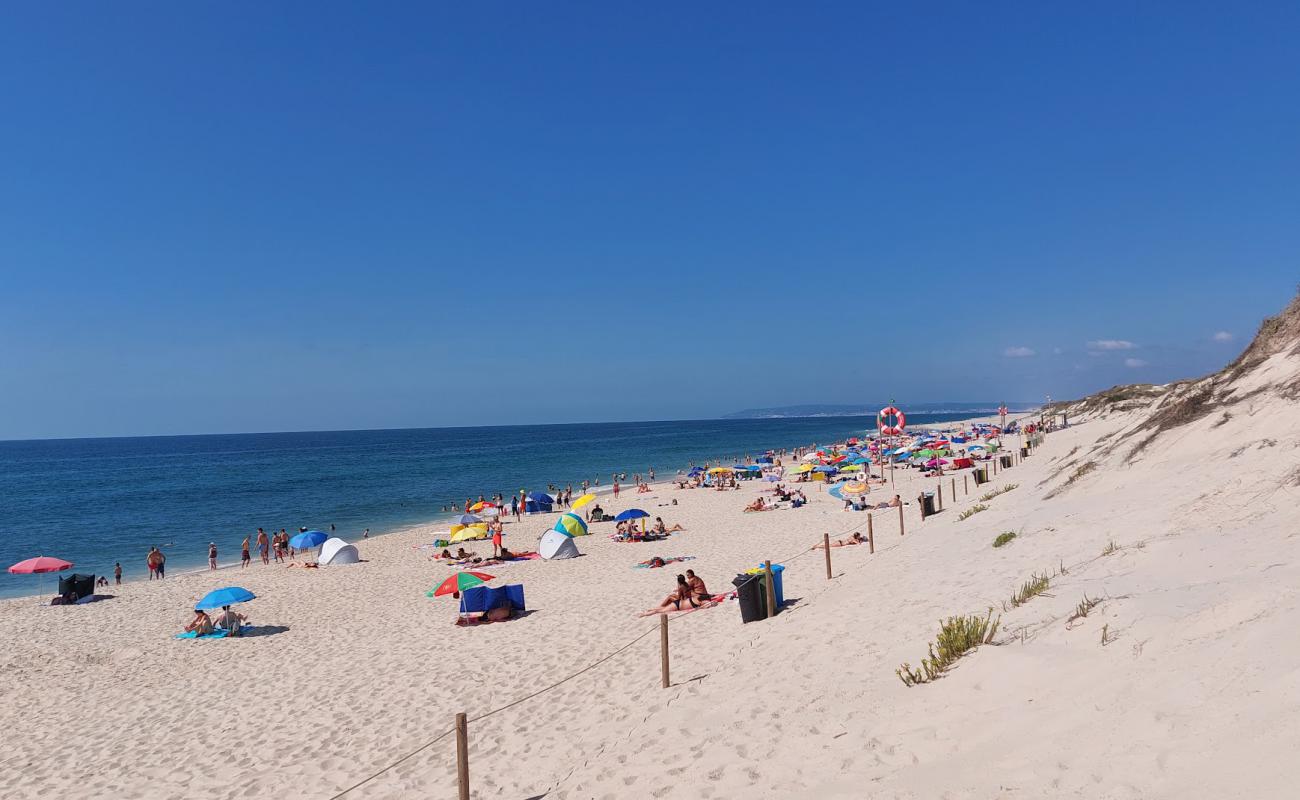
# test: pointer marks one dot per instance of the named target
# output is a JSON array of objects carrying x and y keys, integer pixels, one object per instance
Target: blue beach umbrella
[
  {"x": 825, "y": 469},
  {"x": 219, "y": 598},
  {"x": 835, "y": 491},
  {"x": 631, "y": 513},
  {"x": 304, "y": 541}
]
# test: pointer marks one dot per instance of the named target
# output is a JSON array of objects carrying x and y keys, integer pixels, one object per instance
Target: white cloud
[
  {"x": 1134, "y": 362},
  {"x": 1222, "y": 336},
  {"x": 1110, "y": 344},
  {"x": 1018, "y": 352}
]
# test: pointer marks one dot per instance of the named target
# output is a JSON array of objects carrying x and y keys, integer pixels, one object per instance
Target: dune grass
[
  {"x": 996, "y": 492},
  {"x": 972, "y": 511},
  {"x": 957, "y": 637},
  {"x": 1036, "y": 585},
  {"x": 1004, "y": 538}
]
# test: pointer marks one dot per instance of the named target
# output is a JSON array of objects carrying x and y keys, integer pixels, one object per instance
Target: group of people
[
  {"x": 689, "y": 594},
  {"x": 276, "y": 545},
  {"x": 228, "y": 620}
]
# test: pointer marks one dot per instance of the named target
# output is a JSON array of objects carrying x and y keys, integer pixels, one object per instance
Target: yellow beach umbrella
[
  {"x": 720, "y": 470},
  {"x": 582, "y": 501},
  {"x": 805, "y": 468},
  {"x": 468, "y": 533}
]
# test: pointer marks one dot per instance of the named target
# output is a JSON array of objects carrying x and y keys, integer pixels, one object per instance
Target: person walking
[
  {"x": 212, "y": 555},
  {"x": 244, "y": 557},
  {"x": 117, "y": 573}
]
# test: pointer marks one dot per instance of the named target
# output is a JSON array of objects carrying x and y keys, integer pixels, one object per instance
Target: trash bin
[
  {"x": 777, "y": 569},
  {"x": 981, "y": 475},
  {"x": 927, "y": 504},
  {"x": 1006, "y": 461},
  {"x": 1024, "y": 452},
  {"x": 751, "y": 592}
]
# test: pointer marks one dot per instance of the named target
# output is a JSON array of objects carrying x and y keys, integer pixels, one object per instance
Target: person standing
[
  {"x": 365, "y": 534},
  {"x": 496, "y": 537},
  {"x": 652, "y": 474},
  {"x": 263, "y": 548},
  {"x": 615, "y": 488},
  {"x": 162, "y": 564},
  {"x": 243, "y": 553},
  {"x": 117, "y": 573},
  {"x": 212, "y": 555},
  {"x": 514, "y": 507},
  {"x": 151, "y": 561}
]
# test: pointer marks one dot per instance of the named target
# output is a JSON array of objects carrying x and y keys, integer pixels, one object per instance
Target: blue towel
[{"x": 218, "y": 634}]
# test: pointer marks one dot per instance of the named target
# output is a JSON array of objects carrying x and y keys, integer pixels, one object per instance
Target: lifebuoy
[{"x": 891, "y": 421}]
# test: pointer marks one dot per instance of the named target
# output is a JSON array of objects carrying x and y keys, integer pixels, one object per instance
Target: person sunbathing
[
  {"x": 659, "y": 527},
  {"x": 506, "y": 555},
  {"x": 856, "y": 538},
  {"x": 445, "y": 554},
  {"x": 757, "y": 505},
  {"x": 698, "y": 589},
  {"x": 201, "y": 624},
  {"x": 230, "y": 620},
  {"x": 681, "y": 599}
]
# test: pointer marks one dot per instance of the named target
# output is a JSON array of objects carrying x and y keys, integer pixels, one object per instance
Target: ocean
[{"x": 97, "y": 501}]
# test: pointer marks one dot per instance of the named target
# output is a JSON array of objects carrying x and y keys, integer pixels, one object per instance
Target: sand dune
[{"x": 1182, "y": 680}]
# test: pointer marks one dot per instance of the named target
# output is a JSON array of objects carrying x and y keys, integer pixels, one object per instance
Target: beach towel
[
  {"x": 648, "y": 564},
  {"x": 217, "y": 634}
]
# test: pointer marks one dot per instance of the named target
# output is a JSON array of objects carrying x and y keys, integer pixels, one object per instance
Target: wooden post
[
  {"x": 871, "y": 535},
  {"x": 771, "y": 590},
  {"x": 920, "y": 505},
  {"x": 901, "y": 531},
  {"x": 663, "y": 649},
  {"x": 965, "y": 482},
  {"x": 826, "y": 543},
  {"x": 462, "y": 756},
  {"x": 940, "y": 496},
  {"x": 954, "y": 490}
]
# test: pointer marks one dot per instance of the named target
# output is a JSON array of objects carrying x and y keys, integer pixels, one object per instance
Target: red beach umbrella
[
  {"x": 460, "y": 582},
  {"x": 40, "y": 564}
]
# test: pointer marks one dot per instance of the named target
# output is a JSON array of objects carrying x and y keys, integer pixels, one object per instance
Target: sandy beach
[{"x": 1184, "y": 661}]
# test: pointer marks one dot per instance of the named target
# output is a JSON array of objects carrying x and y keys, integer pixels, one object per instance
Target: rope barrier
[{"x": 557, "y": 684}]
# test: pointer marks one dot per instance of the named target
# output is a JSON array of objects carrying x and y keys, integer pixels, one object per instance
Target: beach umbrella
[
  {"x": 812, "y": 457},
  {"x": 40, "y": 564},
  {"x": 468, "y": 533},
  {"x": 934, "y": 462},
  {"x": 631, "y": 513},
  {"x": 304, "y": 541},
  {"x": 226, "y": 596},
  {"x": 719, "y": 470},
  {"x": 805, "y": 468},
  {"x": 571, "y": 525},
  {"x": 582, "y": 501},
  {"x": 458, "y": 583},
  {"x": 467, "y": 519},
  {"x": 764, "y": 460},
  {"x": 851, "y": 468},
  {"x": 482, "y": 504},
  {"x": 834, "y": 491},
  {"x": 824, "y": 469}
]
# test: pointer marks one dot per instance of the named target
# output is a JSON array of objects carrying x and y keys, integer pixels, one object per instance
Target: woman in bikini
[
  {"x": 682, "y": 599},
  {"x": 201, "y": 624}
]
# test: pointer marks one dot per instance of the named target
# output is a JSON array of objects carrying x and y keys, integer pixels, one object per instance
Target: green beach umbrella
[{"x": 458, "y": 583}]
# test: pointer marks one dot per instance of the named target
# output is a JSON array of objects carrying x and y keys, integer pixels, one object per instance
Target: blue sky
[{"x": 288, "y": 216}]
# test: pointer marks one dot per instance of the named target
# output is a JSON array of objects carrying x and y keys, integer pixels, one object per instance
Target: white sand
[{"x": 1195, "y": 696}]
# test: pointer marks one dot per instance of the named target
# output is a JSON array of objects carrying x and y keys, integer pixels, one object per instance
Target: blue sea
[{"x": 97, "y": 501}]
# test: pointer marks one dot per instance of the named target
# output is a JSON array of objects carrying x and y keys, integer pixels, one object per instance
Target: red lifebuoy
[{"x": 891, "y": 421}]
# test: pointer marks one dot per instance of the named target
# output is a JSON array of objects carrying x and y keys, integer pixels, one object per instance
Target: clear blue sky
[{"x": 285, "y": 216}]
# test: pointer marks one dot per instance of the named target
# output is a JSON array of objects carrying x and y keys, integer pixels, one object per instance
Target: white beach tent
[
  {"x": 337, "y": 551},
  {"x": 555, "y": 545}
]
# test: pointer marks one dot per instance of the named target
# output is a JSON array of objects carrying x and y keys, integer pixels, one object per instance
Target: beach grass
[
  {"x": 972, "y": 511},
  {"x": 957, "y": 637},
  {"x": 1004, "y": 538}
]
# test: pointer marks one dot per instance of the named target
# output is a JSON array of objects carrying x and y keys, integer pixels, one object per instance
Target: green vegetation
[
  {"x": 1111, "y": 547},
  {"x": 996, "y": 492},
  {"x": 1036, "y": 585},
  {"x": 1004, "y": 538},
  {"x": 972, "y": 511},
  {"x": 957, "y": 637}
]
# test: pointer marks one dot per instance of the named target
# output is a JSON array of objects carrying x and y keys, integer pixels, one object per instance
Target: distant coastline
[{"x": 869, "y": 410}]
